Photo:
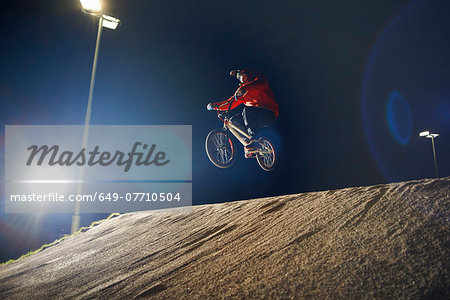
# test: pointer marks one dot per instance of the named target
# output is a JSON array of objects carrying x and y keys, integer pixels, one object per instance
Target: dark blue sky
[{"x": 333, "y": 66}]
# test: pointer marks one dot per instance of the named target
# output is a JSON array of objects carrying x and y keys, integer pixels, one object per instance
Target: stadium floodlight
[
  {"x": 424, "y": 133},
  {"x": 110, "y": 22},
  {"x": 91, "y": 6},
  {"x": 431, "y": 136}
]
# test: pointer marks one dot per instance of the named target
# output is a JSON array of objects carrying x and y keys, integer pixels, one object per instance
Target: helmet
[{"x": 238, "y": 73}]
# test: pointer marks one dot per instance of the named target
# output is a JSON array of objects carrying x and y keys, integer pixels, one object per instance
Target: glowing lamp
[
  {"x": 110, "y": 22},
  {"x": 91, "y": 5}
]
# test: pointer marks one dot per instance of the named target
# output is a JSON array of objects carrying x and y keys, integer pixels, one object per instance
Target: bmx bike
[{"x": 221, "y": 149}]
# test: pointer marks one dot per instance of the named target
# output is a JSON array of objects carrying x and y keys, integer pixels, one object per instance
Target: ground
[{"x": 384, "y": 241}]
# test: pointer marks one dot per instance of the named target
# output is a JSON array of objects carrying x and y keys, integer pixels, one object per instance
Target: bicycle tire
[
  {"x": 220, "y": 148},
  {"x": 266, "y": 160}
]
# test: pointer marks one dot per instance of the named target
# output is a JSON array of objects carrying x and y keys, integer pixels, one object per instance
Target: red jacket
[{"x": 256, "y": 93}]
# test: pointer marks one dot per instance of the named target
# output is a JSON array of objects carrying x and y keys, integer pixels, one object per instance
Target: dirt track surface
[{"x": 385, "y": 241}]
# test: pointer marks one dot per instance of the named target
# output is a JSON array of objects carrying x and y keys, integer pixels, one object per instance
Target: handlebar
[{"x": 224, "y": 113}]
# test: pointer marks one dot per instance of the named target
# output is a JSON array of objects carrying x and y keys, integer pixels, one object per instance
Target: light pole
[
  {"x": 431, "y": 136},
  {"x": 91, "y": 7}
]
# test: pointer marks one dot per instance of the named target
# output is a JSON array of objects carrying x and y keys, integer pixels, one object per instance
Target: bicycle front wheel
[{"x": 220, "y": 148}]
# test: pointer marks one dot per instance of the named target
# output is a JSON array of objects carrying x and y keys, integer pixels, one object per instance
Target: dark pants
[{"x": 253, "y": 118}]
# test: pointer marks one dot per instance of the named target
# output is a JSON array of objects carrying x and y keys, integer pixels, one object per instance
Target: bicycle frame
[{"x": 239, "y": 134}]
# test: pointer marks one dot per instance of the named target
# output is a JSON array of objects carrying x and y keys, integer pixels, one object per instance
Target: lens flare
[{"x": 399, "y": 117}]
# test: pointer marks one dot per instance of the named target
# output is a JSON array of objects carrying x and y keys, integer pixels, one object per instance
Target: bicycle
[{"x": 221, "y": 151}]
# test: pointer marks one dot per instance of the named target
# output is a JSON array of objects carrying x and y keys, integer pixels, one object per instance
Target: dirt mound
[{"x": 367, "y": 242}]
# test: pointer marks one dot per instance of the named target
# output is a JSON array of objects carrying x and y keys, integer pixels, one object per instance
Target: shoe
[
  {"x": 252, "y": 146},
  {"x": 249, "y": 154}
]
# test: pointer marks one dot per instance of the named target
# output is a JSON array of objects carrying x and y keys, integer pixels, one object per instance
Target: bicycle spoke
[
  {"x": 221, "y": 147},
  {"x": 217, "y": 141},
  {"x": 220, "y": 157},
  {"x": 267, "y": 155}
]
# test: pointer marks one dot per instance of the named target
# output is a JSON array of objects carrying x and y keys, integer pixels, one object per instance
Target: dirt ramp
[{"x": 385, "y": 241}]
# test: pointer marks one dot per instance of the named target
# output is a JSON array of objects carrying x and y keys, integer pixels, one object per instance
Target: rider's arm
[
  {"x": 236, "y": 99},
  {"x": 224, "y": 105}
]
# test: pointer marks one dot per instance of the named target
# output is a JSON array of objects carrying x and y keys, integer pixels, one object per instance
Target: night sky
[{"x": 356, "y": 81}]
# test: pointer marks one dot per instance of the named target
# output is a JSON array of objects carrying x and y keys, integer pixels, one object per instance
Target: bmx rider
[{"x": 260, "y": 108}]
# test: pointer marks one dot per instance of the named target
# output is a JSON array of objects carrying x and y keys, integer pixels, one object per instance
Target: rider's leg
[
  {"x": 246, "y": 115},
  {"x": 238, "y": 122},
  {"x": 256, "y": 118}
]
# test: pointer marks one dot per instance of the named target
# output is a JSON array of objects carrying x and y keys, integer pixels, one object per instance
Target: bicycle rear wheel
[
  {"x": 220, "y": 148},
  {"x": 266, "y": 156}
]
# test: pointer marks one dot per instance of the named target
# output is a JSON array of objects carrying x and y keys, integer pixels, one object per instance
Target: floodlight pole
[
  {"x": 94, "y": 69},
  {"x": 91, "y": 8},
  {"x": 434, "y": 155},
  {"x": 76, "y": 216}
]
